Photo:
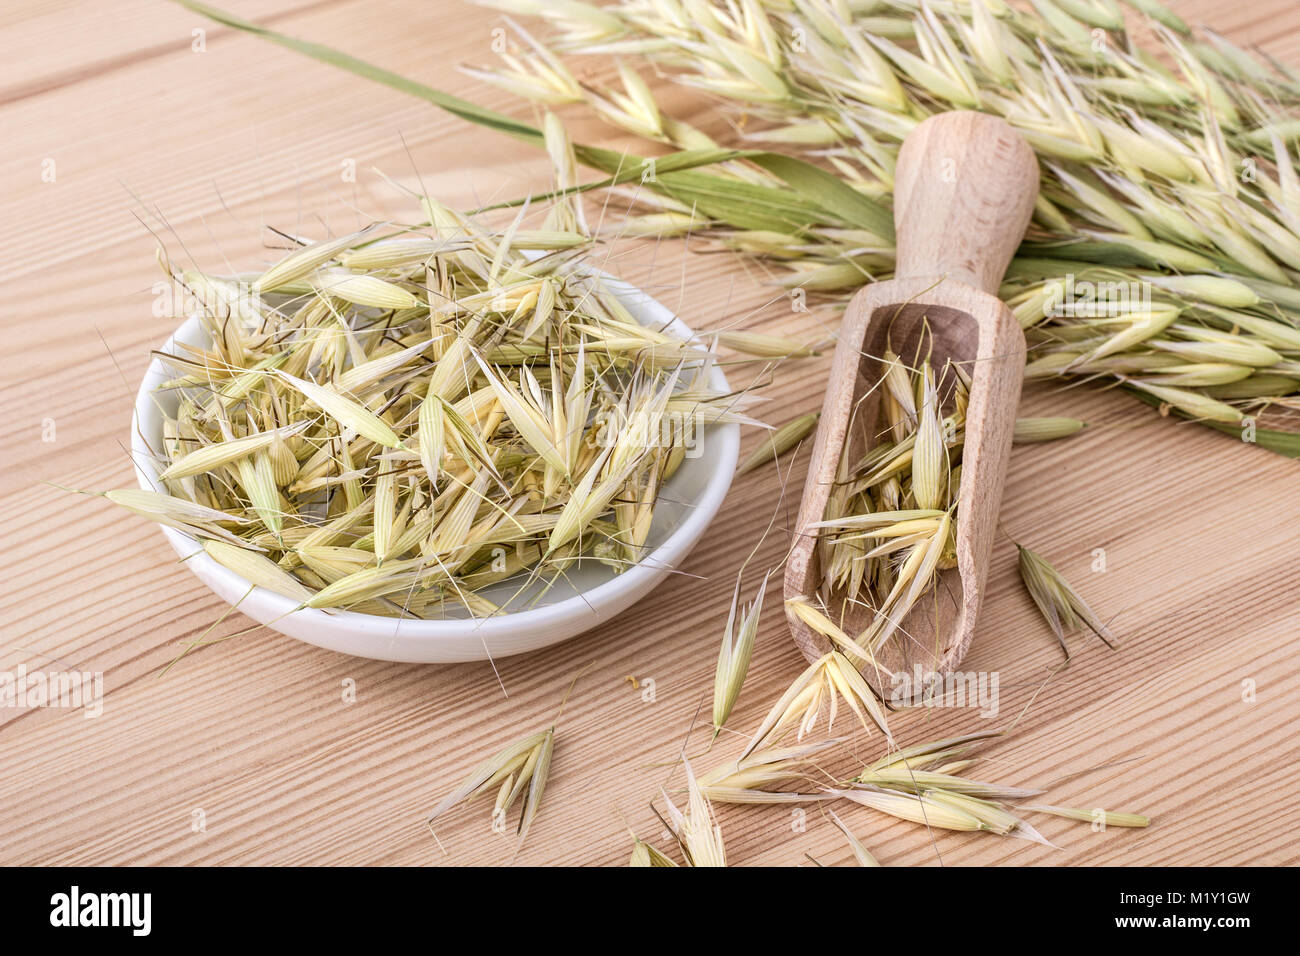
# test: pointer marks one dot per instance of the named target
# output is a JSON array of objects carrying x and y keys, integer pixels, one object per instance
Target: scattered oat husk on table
[
  {"x": 861, "y": 854},
  {"x": 695, "y": 826},
  {"x": 821, "y": 686},
  {"x": 735, "y": 653},
  {"x": 1104, "y": 818},
  {"x": 1058, "y": 601},
  {"x": 785, "y": 437},
  {"x": 923, "y": 784},
  {"x": 523, "y": 764},
  {"x": 755, "y": 777},
  {"x": 521, "y": 769},
  {"x": 643, "y": 854},
  {"x": 1033, "y": 430}
]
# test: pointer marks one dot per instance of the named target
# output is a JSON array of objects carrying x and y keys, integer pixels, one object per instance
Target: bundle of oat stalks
[{"x": 1165, "y": 250}]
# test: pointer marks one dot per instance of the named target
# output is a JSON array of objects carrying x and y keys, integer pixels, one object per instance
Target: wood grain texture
[
  {"x": 964, "y": 189},
  {"x": 1201, "y": 580}
]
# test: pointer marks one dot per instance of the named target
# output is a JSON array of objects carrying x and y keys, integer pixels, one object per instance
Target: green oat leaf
[{"x": 829, "y": 192}]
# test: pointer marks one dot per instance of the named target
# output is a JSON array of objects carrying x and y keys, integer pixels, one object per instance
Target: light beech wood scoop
[{"x": 965, "y": 187}]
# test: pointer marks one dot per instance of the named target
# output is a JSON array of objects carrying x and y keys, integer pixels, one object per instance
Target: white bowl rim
[{"x": 572, "y": 615}]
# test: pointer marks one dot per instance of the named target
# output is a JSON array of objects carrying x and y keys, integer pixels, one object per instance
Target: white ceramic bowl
[{"x": 593, "y": 595}]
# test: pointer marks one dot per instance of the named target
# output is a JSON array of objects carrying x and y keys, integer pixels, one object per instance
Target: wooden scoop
[{"x": 965, "y": 187}]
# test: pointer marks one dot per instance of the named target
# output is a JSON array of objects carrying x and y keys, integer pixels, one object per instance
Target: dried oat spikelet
[
  {"x": 860, "y": 851},
  {"x": 734, "y": 657},
  {"x": 257, "y": 478},
  {"x": 922, "y": 783},
  {"x": 774, "y": 445},
  {"x": 566, "y": 215},
  {"x": 1057, "y": 600},
  {"x": 823, "y": 625},
  {"x": 906, "y": 777},
  {"x": 1105, "y": 817},
  {"x": 385, "y": 512},
  {"x": 695, "y": 828},
  {"x": 525, "y": 763},
  {"x": 751, "y": 779},
  {"x": 823, "y": 683},
  {"x": 302, "y": 262},
  {"x": 181, "y": 514},
  {"x": 929, "y": 456},
  {"x": 213, "y": 456},
  {"x": 361, "y": 289},
  {"x": 633, "y": 109},
  {"x": 257, "y": 569},
  {"x": 899, "y": 398},
  {"x": 1031, "y": 430},
  {"x": 923, "y": 809},
  {"x": 535, "y": 74},
  {"x": 928, "y": 755},
  {"x": 1194, "y": 404},
  {"x": 1214, "y": 290},
  {"x": 915, "y": 577},
  {"x": 643, "y": 854},
  {"x": 944, "y": 809},
  {"x": 764, "y": 346}
]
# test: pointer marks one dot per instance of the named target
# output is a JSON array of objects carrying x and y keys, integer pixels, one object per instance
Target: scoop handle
[{"x": 964, "y": 191}]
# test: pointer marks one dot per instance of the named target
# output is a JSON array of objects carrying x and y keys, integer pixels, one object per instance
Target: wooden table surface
[{"x": 246, "y": 752}]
